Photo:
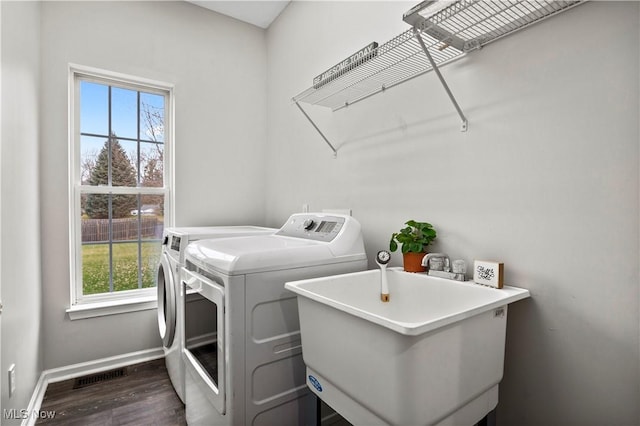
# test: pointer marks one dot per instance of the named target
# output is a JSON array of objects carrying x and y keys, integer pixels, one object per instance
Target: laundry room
[{"x": 524, "y": 152}]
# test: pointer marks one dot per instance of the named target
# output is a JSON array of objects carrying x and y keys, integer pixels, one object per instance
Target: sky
[{"x": 94, "y": 118}]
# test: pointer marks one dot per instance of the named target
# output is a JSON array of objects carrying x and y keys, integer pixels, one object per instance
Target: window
[{"x": 120, "y": 177}]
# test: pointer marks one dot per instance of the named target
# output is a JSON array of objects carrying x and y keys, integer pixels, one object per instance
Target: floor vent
[{"x": 103, "y": 376}]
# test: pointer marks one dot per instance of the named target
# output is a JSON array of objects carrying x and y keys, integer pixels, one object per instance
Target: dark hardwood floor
[{"x": 143, "y": 395}]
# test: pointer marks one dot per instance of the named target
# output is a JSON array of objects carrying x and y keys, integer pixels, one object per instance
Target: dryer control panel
[{"x": 313, "y": 226}]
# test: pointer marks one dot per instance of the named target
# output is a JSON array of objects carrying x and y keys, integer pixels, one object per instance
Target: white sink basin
[{"x": 434, "y": 354}]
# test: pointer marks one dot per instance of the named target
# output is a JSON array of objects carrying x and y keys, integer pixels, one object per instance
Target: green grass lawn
[{"x": 95, "y": 266}]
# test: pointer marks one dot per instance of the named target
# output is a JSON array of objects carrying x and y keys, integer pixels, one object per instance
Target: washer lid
[
  {"x": 234, "y": 256},
  {"x": 194, "y": 233},
  {"x": 177, "y": 239}
]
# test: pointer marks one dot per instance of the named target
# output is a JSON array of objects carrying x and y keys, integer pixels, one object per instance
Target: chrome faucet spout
[{"x": 445, "y": 260}]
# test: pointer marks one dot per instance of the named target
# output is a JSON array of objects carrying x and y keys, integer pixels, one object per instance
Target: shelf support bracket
[
  {"x": 335, "y": 151},
  {"x": 464, "y": 126}
]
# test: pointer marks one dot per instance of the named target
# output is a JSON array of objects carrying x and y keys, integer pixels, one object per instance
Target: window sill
[{"x": 113, "y": 307}]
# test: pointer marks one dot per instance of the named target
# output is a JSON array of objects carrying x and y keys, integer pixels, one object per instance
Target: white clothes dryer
[
  {"x": 243, "y": 353},
  {"x": 170, "y": 318}
]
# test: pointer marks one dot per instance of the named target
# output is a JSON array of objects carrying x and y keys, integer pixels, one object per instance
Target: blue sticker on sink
[{"x": 316, "y": 383}]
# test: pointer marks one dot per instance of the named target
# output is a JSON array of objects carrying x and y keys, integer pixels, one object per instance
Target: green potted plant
[{"x": 414, "y": 239}]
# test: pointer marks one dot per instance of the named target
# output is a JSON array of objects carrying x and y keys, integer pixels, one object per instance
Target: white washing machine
[
  {"x": 243, "y": 353},
  {"x": 170, "y": 318}
]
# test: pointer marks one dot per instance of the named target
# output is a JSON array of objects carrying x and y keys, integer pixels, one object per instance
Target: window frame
[{"x": 84, "y": 306}]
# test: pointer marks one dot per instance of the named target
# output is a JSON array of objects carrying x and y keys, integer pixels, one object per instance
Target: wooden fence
[{"x": 97, "y": 230}]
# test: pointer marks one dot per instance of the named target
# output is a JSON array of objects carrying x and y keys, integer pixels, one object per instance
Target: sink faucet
[
  {"x": 432, "y": 262},
  {"x": 444, "y": 262}
]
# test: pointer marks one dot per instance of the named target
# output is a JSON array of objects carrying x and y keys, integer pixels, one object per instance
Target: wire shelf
[
  {"x": 448, "y": 29},
  {"x": 392, "y": 63},
  {"x": 471, "y": 24}
]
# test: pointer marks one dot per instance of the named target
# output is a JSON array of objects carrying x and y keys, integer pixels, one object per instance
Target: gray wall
[
  {"x": 545, "y": 180},
  {"x": 20, "y": 262},
  {"x": 218, "y": 67}
]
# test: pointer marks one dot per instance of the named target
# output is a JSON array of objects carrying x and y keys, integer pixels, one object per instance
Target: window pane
[
  {"x": 95, "y": 254},
  {"x": 152, "y": 165},
  {"x": 90, "y": 150},
  {"x": 124, "y": 112},
  {"x": 151, "y": 251},
  {"x": 123, "y": 207},
  {"x": 125, "y": 265},
  {"x": 95, "y": 268},
  {"x": 127, "y": 170},
  {"x": 152, "y": 216},
  {"x": 151, "y": 117},
  {"x": 96, "y": 206},
  {"x": 150, "y": 207},
  {"x": 94, "y": 108},
  {"x": 123, "y": 170},
  {"x": 126, "y": 230},
  {"x": 151, "y": 227}
]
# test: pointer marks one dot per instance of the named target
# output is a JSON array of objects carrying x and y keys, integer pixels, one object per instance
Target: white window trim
[
  {"x": 125, "y": 301},
  {"x": 113, "y": 307}
]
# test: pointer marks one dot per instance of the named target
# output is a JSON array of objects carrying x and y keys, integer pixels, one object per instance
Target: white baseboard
[{"x": 78, "y": 370}]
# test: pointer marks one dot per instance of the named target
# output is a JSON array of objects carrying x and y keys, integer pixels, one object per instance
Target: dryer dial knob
[{"x": 308, "y": 224}]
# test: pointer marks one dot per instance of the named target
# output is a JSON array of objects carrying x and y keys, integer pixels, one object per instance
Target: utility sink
[{"x": 433, "y": 354}]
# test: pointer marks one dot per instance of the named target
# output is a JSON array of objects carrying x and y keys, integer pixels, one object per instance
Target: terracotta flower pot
[{"x": 413, "y": 262}]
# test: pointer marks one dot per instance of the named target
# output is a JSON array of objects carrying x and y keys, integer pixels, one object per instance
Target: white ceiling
[{"x": 258, "y": 12}]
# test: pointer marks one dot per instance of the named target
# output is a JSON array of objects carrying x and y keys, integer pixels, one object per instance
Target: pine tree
[{"x": 122, "y": 174}]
